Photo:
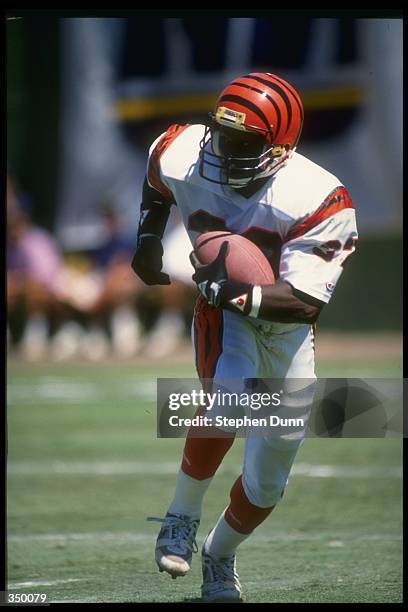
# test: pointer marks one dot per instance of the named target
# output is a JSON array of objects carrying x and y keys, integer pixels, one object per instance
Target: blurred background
[
  {"x": 87, "y": 340},
  {"x": 85, "y": 99}
]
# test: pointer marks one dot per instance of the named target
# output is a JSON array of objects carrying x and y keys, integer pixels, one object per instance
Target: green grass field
[{"x": 85, "y": 469}]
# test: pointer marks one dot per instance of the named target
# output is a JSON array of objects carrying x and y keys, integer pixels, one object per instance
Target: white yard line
[
  {"x": 34, "y": 583},
  {"x": 104, "y": 536},
  {"x": 147, "y": 468},
  {"x": 332, "y": 538},
  {"x": 340, "y": 471},
  {"x": 60, "y": 391},
  {"x": 97, "y": 468},
  {"x": 129, "y": 536}
]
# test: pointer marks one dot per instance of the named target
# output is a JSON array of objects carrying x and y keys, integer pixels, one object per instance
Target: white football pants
[{"x": 231, "y": 347}]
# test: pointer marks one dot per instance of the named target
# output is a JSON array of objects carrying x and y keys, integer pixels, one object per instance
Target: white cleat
[
  {"x": 175, "y": 543},
  {"x": 220, "y": 580}
]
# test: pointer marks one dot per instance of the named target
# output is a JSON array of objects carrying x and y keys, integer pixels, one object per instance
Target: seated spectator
[
  {"x": 101, "y": 289},
  {"x": 33, "y": 266}
]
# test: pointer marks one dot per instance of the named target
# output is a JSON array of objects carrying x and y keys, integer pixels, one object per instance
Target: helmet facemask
[{"x": 241, "y": 155}]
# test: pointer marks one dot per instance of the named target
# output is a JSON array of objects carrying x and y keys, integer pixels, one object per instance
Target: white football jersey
[{"x": 302, "y": 218}]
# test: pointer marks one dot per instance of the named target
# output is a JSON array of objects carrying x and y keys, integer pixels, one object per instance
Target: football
[{"x": 245, "y": 261}]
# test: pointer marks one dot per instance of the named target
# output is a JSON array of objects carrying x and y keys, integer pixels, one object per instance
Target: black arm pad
[{"x": 154, "y": 212}]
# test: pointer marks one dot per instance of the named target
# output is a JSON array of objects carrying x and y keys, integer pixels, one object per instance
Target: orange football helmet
[{"x": 255, "y": 128}]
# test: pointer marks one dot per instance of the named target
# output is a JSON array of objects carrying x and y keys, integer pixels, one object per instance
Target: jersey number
[{"x": 329, "y": 249}]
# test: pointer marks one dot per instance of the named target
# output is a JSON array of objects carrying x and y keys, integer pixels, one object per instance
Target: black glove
[
  {"x": 147, "y": 262},
  {"x": 211, "y": 277},
  {"x": 219, "y": 291}
]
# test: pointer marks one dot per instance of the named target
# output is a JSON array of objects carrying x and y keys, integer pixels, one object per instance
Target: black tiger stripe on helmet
[
  {"x": 274, "y": 99},
  {"x": 257, "y": 102}
]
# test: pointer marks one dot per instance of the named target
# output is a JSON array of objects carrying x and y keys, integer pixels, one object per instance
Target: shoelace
[
  {"x": 223, "y": 570},
  {"x": 184, "y": 529}
]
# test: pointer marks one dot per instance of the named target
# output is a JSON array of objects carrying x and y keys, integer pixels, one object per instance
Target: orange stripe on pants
[
  {"x": 202, "y": 456},
  {"x": 208, "y": 337}
]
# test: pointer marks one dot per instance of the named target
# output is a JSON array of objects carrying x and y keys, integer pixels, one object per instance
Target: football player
[{"x": 241, "y": 173}]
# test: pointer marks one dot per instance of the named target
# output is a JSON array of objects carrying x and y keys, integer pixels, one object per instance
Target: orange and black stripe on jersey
[
  {"x": 313, "y": 330},
  {"x": 339, "y": 199},
  {"x": 153, "y": 170}
]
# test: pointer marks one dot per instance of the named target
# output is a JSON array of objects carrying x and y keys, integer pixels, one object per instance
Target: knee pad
[{"x": 265, "y": 474}]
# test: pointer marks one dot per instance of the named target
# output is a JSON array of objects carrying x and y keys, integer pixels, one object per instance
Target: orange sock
[
  {"x": 241, "y": 514},
  {"x": 203, "y": 456}
]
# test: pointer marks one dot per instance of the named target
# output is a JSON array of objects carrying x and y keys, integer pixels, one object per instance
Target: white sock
[
  {"x": 189, "y": 495},
  {"x": 223, "y": 540}
]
